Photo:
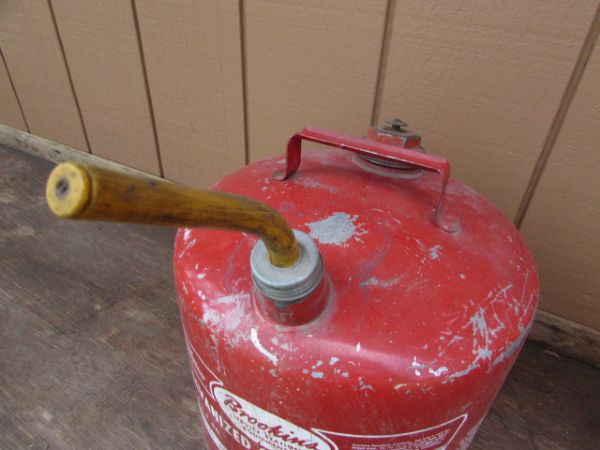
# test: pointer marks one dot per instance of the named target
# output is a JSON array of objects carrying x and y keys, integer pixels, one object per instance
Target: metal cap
[{"x": 291, "y": 283}]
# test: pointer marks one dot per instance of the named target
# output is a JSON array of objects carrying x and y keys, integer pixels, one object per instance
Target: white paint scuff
[
  {"x": 434, "y": 252},
  {"x": 416, "y": 364},
  {"x": 336, "y": 229},
  {"x": 439, "y": 371},
  {"x": 364, "y": 386},
  {"x": 282, "y": 345},
  {"x": 254, "y": 339},
  {"x": 234, "y": 298},
  {"x": 374, "y": 281}
]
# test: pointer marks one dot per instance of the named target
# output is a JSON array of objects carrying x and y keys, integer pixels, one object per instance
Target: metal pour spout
[{"x": 76, "y": 191}]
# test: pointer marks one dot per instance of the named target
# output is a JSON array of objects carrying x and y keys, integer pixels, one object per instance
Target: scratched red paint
[{"x": 420, "y": 331}]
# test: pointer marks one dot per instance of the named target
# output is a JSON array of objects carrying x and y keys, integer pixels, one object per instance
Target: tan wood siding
[
  {"x": 562, "y": 224},
  {"x": 102, "y": 51},
  {"x": 35, "y": 61},
  {"x": 482, "y": 82},
  {"x": 10, "y": 113},
  {"x": 312, "y": 62},
  {"x": 193, "y": 58}
]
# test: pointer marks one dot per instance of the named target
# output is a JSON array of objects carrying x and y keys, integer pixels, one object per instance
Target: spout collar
[{"x": 290, "y": 284}]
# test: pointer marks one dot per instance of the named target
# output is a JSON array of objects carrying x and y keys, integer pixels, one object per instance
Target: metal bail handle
[{"x": 376, "y": 149}]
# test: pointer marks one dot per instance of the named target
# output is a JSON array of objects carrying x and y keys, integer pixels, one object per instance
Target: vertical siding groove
[
  {"x": 147, "y": 86},
  {"x": 14, "y": 89},
  {"x": 68, "y": 70},
  {"x": 559, "y": 117},
  {"x": 242, "y": 8},
  {"x": 383, "y": 57}
]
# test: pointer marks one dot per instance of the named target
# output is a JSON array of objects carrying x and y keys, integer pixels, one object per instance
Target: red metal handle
[{"x": 375, "y": 149}]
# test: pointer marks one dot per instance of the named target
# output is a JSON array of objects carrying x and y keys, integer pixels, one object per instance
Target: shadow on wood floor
[{"x": 92, "y": 352}]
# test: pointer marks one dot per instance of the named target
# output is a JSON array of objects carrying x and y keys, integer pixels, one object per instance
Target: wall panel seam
[
  {"x": 69, "y": 77},
  {"x": 138, "y": 33},
  {"x": 243, "y": 56},
  {"x": 14, "y": 89},
  {"x": 560, "y": 115},
  {"x": 388, "y": 25}
]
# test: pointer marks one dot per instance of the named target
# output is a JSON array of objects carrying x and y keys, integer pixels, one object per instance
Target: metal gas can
[{"x": 396, "y": 329}]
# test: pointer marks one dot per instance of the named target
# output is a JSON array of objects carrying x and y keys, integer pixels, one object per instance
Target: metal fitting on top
[{"x": 288, "y": 284}]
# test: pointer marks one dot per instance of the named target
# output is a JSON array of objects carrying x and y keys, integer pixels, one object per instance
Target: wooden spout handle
[{"x": 84, "y": 192}]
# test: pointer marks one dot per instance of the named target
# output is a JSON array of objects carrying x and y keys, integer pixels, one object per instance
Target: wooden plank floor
[{"x": 92, "y": 353}]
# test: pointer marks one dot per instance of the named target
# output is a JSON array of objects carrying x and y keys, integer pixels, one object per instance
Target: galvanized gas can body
[{"x": 408, "y": 340}]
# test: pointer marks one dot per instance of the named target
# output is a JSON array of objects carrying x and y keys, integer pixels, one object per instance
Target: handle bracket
[{"x": 373, "y": 149}]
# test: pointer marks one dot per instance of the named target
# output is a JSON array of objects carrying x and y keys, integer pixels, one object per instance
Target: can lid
[{"x": 288, "y": 284}]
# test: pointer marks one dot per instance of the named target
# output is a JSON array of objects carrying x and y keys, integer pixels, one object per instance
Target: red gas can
[{"x": 395, "y": 330}]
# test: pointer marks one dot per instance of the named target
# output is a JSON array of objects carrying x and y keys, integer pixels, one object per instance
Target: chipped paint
[
  {"x": 333, "y": 360},
  {"x": 439, "y": 371},
  {"x": 211, "y": 316},
  {"x": 416, "y": 364},
  {"x": 399, "y": 386},
  {"x": 233, "y": 298},
  {"x": 481, "y": 339},
  {"x": 336, "y": 229},
  {"x": 309, "y": 182},
  {"x": 317, "y": 375},
  {"x": 362, "y": 386},
  {"x": 358, "y": 347},
  {"x": 479, "y": 323},
  {"x": 345, "y": 374},
  {"x": 511, "y": 348},
  {"x": 434, "y": 252},
  {"x": 254, "y": 339},
  {"x": 282, "y": 345},
  {"x": 455, "y": 339},
  {"x": 374, "y": 281},
  {"x": 502, "y": 292},
  {"x": 225, "y": 312}
]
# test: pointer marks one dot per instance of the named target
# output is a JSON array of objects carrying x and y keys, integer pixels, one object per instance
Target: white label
[{"x": 268, "y": 430}]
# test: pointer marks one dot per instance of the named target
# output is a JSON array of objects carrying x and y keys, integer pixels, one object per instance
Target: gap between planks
[{"x": 560, "y": 116}]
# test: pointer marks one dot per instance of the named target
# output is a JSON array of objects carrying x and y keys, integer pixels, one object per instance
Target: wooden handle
[{"x": 84, "y": 192}]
